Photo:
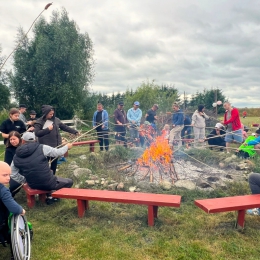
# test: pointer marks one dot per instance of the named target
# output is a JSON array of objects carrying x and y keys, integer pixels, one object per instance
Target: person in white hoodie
[{"x": 199, "y": 124}]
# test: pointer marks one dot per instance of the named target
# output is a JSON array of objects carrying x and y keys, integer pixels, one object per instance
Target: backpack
[{"x": 4, "y": 229}]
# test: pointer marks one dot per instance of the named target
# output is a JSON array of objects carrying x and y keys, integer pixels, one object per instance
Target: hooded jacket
[
  {"x": 234, "y": 119},
  {"x": 199, "y": 120},
  {"x": 50, "y": 137},
  {"x": 34, "y": 166}
]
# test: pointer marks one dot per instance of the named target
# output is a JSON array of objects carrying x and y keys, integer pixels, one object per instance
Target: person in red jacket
[{"x": 233, "y": 123}]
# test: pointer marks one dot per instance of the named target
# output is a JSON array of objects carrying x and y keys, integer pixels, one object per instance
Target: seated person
[
  {"x": 255, "y": 142},
  {"x": 7, "y": 204},
  {"x": 217, "y": 136},
  {"x": 254, "y": 184},
  {"x": 166, "y": 131},
  {"x": 146, "y": 133},
  {"x": 30, "y": 164},
  {"x": 245, "y": 151}
]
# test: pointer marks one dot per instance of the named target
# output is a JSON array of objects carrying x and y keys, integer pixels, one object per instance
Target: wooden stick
[{"x": 124, "y": 168}]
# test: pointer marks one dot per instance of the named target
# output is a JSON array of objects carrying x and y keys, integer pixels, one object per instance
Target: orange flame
[{"x": 158, "y": 152}]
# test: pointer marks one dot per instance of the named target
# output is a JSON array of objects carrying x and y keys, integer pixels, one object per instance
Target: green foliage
[
  {"x": 54, "y": 66},
  {"x": 207, "y": 98},
  {"x": 3, "y": 115}
]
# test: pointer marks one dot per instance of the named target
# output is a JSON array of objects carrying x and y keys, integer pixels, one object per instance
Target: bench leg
[
  {"x": 82, "y": 206},
  {"x": 240, "y": 219},
  {"x": 30, "y": 200},
  {"x": 152, "y": 213},
  {"x": 92, "y": 148},
  {"x": 42, "y": 197}
]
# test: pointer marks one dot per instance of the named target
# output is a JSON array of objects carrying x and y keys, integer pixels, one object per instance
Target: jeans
[{"x": 103, "y": 139}]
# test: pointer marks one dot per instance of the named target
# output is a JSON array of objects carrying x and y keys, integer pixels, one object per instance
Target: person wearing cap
[
  {"x": 32, "y": 116},
  {"x": 150, "y": 115},
  {"x": 30, "y": 164},
  {"x": 120, "y": 124},
  {"x": 134, "y": 116},
  {"x": 13, "y": 123},
  {"x": 47, "y": 129},
  {"x": 217, "y": 137},
  {"x": 22, "y": 110},
  {"x": 100, "y": 122},
  {"x": 177, "y": 124}
]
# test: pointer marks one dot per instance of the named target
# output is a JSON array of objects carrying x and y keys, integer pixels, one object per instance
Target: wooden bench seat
[
  {"x": 30, "y": 195},
  {"x": 91, "y": 144},
  {"x": 236, "y": 203},
  {"x": 153, "y": 201}
]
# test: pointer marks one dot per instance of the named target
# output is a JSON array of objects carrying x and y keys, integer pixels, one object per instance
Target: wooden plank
[
  {"x": 119, "y": 197},
  {"x": 85, "y": 142},
  {"x": 235, "y": 203}
]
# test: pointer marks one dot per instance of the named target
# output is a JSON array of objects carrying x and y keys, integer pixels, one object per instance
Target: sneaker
[
  {"x": 51, "y": 200},
  {"x": 254, "y": 212},
  {"x": 63, "y": 159}
]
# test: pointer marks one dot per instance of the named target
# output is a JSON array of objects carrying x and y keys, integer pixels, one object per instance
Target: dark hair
[
  {"x": 200, "y": 107},
  {"x": 13, "y": 111},
  {"x": 13, "y": 133}
]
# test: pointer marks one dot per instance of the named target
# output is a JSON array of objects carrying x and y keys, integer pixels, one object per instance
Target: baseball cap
[
  {"x": 121, "y": 103},
  {"x": 32, "y": 112},
  {"x": 136, "y": 103},
  {"x": 22, "y": 106},
  {"x": 28, "y": 136},
  {"x": 218, "y": 125}
]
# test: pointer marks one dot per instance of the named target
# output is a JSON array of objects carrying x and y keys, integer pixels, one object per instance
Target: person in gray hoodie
[
  {"x": 199, "y": 124},
  {"x": 47, "y": 129}
]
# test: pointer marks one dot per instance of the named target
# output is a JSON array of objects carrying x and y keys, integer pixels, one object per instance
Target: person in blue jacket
[
  {"x": 100, "y": 121},
  {"x": 177, "y": 124}
]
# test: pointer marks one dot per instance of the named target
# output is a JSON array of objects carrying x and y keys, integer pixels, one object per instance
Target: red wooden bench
[
  {"x": 236, "y": 203},
  {"x": 30, "y": 195},
  {"x": 91, "y": 144},
  {"x": 153, "y": 201}
]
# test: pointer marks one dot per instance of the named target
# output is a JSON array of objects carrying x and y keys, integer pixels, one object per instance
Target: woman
[
  {"x": 13, "y": 141},
  {"x": 12, "y": 124},
  {"x": 198, "y": 123},
  {"x": 217, "y": 136}
]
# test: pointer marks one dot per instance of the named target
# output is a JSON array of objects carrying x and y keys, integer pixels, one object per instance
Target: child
[
  {"x": 166, "y": 131},
  {"x": 7, "y": 203}
]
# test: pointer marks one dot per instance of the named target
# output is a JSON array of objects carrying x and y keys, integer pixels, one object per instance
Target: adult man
[
  {"x": 177, "y": 124},
  {"x": 22, "y": 110},
  {"x": 120, "y": 124},
  {"x": 47, "y": 129},
  {"x": 100, "y": 121},
  {"x": 150, "y": 116},
  {"x": 32, "y": 116},
  {"x": 234, "y": 128},
  {"x": 30, "y": 164},
  {"x": 134, "y": 116}
]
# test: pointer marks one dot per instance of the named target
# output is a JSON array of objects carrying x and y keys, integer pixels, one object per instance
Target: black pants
[
  {"x": 13, "y": 186},
  {"x": 53, "y": 164},
  {"x": 63, "y": 183},
  {"x": 103, "y": 139}
]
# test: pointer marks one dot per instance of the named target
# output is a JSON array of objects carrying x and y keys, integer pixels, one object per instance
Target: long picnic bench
[
  {"x": 236, "y": 203},
  {"x": 153, "y": 201},
  {"x": 91, "y": 144}
]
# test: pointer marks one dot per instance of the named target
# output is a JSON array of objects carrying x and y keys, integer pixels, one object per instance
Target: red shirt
[{"x": 234, "y": 119}]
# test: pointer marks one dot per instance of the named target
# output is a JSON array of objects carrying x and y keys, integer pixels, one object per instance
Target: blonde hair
[{"x": 166, "y": 126}]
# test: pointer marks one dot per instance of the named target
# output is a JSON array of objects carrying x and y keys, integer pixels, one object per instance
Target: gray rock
[
  {"x": 81, "y": 172},
  {"x": 120, "y": 186},
  {"x": 83, "y": 157},
  {"x": 104, "y": 183},
  {"x": 241, "y": 166},
  {"x": 73, "y": 162},
  {"x": 97, "y": 181},
  {"x": 233, "y": 156},
  {"x": 144, "y": 185},
  {"x": 221, "y": 165},
  {"x": 132, "y": 188},
  {"x": 112, "y": 186},
  {"x": 203, "y": 184},
  {"x": 93, "y": 177},
  {"x": 228, "y": 159},
  {"x": 77, "y": 186},
  {"x": 213, "y": 179},
  {"x": 137, "y": 190},
  {"x": 185, "y": 184},
  {"x": 90, "y": 182},
  {"x": 166, "y": 185}
]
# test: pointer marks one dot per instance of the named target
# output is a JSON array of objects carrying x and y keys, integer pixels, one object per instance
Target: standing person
[
  {"x": 151, "y": 117},
  {"x": 186, "y": 131},
  {"x": 233, "y": 123},
  {"x": 100, "y": 119},
  {"x": 134, "y": 116},
  {"x": 244, "y": 114},
  {"x": 22, "y": 110},
  {"x": 177, "y": 124},
  {"x": 7, "y": 204},
  {"x": 199, "y": 124},
  {"x": 47, "y": 129},
  {"x": 120, "y": 124},
  {"x": 12, "y": 124}
]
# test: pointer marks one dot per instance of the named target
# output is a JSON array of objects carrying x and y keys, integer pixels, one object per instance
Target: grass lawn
[{"x": 120, "y": 231}]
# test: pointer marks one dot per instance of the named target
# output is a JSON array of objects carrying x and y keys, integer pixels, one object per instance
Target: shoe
[
  {"x": 63, "y": 159},
  {"x": 254, "y": 212},
  {"x": 51, "y": 200}
]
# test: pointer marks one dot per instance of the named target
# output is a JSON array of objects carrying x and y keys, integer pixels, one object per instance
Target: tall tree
[{"x": 54, "y": 66}]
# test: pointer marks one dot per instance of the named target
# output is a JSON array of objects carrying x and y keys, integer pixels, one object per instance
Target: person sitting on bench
[
  {"x": 30, "y": 164},
  {"x": 7, "y": 204}
]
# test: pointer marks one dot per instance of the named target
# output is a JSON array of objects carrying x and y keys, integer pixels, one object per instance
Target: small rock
[
  {"x": 166, "y": 185},
  {"x": 77, "y": 186},
  {"x": 120, "y": 186},
  {"x": 229, "y": 176},
  {"x": 102, "y": 179},
  {"x": 104, "y": 183},
  {"x": 83, "y": 157},
  {"x": 228, "y": 160},
  {"x": 112, "y": 186},
  {"x": 233, "y": 156},
  {"x": 144, "y": 185},
  {"x": 241, "y": 166},
  {"x": 221, "y": 165},
  {"x": 97, "y": 181},
  {"x": 90, "y": 182},
  {"x": 132, "y": 188},
  {"x": 93, "y": 177},
  {"x": 73, "y": 162},
  {"x": 81, "y": 172},
  {"x": 185, "y": 184},
  {"x": 213, "y": 179},
  {"x": 137, "y": 190},
  {"x": 203, "y": 184},
  {"x": 73, "y": 167}
]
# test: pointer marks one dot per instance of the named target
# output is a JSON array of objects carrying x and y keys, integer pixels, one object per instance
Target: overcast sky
[{"x": 191, "y": 44}]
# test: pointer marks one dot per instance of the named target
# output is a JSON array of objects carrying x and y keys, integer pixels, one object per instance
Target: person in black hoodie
[
  {"x": 217, "y": 136},
  {"x": 30, "y": 164},
  {"x": 47, "y": 127}
]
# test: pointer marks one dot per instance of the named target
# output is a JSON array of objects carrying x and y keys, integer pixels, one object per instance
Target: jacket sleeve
[
  {"x": 254, "y": 142},
  {"x": 116, "y": 116},
  {"x": 206, "y": 116},
  {"x": 105, "y": 119},
  {"x": 139, "y": 116},
  {"x": 65, "y": 127},
  {"x": 129, "y": 118},
  {"x": 39, "y": 132},
  {"x": 234, "y": 114},
  {"x": 194, "y": 117},
  {"x": 15, "y": 175},
  {"x": 54, "y": 152}
]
